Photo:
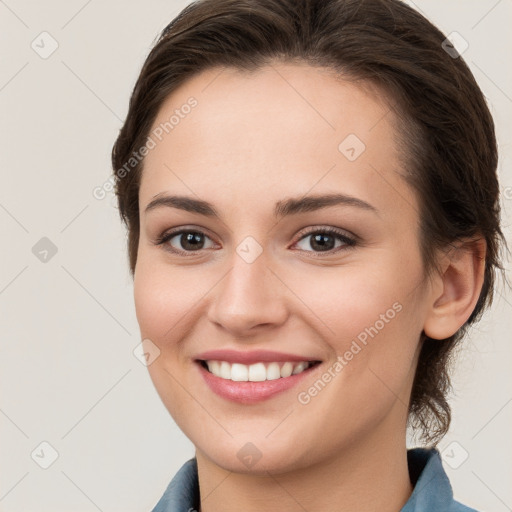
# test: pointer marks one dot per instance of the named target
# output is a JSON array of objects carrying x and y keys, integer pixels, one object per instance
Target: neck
[{"x": 370, "y": 475}]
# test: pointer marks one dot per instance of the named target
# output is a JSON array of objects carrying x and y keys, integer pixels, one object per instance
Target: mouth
[
  {"x": 257, "y": 372},
  {"x": 248, "y": 379}
]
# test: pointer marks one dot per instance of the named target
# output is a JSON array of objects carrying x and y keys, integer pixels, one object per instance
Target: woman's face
[{"x": 265, "y": 273}]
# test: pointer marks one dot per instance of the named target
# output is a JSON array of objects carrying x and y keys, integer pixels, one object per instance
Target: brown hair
[{"x": 450, "y": 146}]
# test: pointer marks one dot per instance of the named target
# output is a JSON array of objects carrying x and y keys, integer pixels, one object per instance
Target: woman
[{"x": 311, "y": 198}]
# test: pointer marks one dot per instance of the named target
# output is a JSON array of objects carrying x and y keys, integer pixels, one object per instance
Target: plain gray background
[{"x": 69, "y": 377}]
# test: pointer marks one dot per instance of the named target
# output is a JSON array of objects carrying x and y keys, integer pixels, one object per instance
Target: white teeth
[
  {"x": 299, "y": 368},
  {"x": 239, "y": 372},
  {"x": 256, "y": 372},
  {"x": 273, "y": 371},
  {"x": 225, "y": 370},
  {"x": 214, "y": 367},
  {"x": 286, "y": 369}
]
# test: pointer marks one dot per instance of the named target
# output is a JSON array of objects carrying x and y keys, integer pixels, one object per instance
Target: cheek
[
  {"x": 164, "y": 303},
  {"x": 355, "y": 302},
  {"x": 371, "y": 318},
  {"x": 163, "y": 298}
]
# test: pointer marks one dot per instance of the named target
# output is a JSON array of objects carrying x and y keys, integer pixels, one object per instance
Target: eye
[
  {"x": 187, "y": 241},
  {"x": 324, "y": 240}
]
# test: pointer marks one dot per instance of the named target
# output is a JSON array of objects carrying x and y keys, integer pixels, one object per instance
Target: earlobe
[{"x": 456, "y": 289}]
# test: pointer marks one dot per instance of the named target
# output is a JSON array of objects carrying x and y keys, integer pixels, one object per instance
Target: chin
[{"x": 258, "y": 457}]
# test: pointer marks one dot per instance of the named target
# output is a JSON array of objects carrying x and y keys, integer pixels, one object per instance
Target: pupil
[
  {"x": 190, "y": 238},
  {"x": 319, "y": 241}
]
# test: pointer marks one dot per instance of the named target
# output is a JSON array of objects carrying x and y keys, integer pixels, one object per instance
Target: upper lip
[{"x": 249, "y": 357}]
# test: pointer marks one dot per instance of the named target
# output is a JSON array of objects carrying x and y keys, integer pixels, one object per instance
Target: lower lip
[{"x": 246, "y": 392}]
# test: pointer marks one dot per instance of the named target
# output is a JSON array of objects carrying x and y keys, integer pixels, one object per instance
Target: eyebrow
[{"x": 287, "y": 207}]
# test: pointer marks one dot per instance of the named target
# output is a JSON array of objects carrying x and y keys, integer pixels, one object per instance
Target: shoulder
[
  {"x": 459, "y": 507},
  {"x": 432, "y": 488},
  {"x": 182, "y": 493}
]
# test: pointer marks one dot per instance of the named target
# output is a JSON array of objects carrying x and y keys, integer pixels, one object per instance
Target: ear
[{"x": 455, "y": 290}]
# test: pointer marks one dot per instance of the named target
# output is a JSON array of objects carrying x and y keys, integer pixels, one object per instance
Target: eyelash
[{"x": 348, "y": 241}]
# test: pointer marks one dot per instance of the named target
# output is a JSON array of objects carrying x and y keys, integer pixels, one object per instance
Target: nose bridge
[{"x": 249, "y": 294}]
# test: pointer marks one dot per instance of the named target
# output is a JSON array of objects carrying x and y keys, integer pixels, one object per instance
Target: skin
[{"x": 252, "y": 140}]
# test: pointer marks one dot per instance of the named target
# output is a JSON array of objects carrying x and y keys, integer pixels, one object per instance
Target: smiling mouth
[{"x": 257, "y": 372}]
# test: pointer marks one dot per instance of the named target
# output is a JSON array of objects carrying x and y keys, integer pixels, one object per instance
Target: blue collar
[{"x": 432, "y": 490}]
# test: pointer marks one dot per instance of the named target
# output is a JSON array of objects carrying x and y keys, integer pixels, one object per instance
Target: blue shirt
[{"x": 432, "y": 490}]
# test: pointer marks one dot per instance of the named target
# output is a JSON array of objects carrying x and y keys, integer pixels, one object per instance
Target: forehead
[{"x": 285, "y": 129}]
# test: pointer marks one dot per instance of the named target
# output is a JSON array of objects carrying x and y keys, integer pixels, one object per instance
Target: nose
[{"x": 248, "y": 299}]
